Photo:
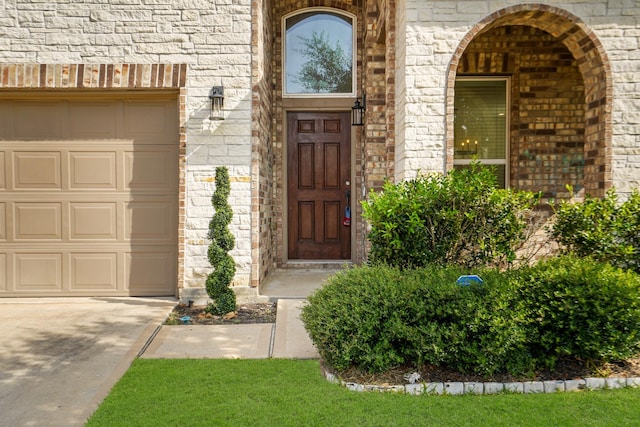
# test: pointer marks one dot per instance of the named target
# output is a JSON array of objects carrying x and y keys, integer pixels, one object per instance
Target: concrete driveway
[{"x": 59, "y": 357}]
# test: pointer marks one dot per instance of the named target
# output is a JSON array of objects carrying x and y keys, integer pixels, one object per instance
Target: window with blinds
[{"x": 481, "y": 124}]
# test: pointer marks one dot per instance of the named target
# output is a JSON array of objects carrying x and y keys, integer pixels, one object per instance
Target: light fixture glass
[
  {"x": 216, "y": 96},
  {"x": 357, "y": 111}
]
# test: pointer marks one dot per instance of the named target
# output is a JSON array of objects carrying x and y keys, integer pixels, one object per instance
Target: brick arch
[
  {"x": 593, "y": 64},
  {"x": 287, "y": 7}
]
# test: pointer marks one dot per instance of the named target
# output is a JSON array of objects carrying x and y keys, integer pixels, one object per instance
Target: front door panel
[{"x": 319, "y": 170}]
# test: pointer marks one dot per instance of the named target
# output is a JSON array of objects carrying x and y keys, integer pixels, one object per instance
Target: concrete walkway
[{"x": 287, "y": 339}]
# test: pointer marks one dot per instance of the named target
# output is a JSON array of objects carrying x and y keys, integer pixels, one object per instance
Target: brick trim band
[{"x": 93, "y": 76}]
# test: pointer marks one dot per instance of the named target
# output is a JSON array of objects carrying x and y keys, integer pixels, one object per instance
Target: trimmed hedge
[
  {"x": 378, "y": 317},
  {"x": 580, "y": 308}
]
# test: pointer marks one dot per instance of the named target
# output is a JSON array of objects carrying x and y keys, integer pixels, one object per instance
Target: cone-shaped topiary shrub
[{"x": 222, "y": 241}]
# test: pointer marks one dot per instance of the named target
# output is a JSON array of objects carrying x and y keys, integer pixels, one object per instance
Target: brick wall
[
  {"x": 602, "y": 37},
  {"x": 547, "y": 123},
  {"x": 263, "y": 222}
]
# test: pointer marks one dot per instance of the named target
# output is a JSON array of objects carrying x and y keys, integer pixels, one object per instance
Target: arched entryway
[
  {"x": 558, "y": 100},
  {"x": 302, "y": 119},
  {"x": 274, "y": 112}
]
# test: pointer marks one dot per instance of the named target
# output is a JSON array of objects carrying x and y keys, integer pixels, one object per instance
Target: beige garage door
[{"x": 88, "y": 195}]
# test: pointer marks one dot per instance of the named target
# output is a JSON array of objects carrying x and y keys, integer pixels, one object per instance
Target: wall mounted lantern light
[
  {"x": 216, "y": 96},
  {"x": 357, "y": 111}
]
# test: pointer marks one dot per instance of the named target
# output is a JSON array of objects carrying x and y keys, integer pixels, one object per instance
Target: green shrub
[
  {"x": 376, "y": 318},
  {"x": 222, "y": 241},
  {"x": 470, "y": 329},
  {"x": 601, "y": 228},
  {"x": 580, "y": 308},
  {"x": 460, "y": 218},
  {"x": 350, "y": 318},
  {"x": 226, "y": 302}
]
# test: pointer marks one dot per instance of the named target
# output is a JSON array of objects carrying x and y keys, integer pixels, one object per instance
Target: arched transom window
[{"x": 319, "y": 54}]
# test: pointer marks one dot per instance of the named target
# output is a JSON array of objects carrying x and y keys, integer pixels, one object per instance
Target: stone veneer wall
[
  {"x": 212, "y": 41},
  {"x": 602, "y": 36}
]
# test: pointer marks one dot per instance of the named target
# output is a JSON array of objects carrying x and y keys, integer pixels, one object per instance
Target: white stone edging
[{"x": 457, "y": 388}]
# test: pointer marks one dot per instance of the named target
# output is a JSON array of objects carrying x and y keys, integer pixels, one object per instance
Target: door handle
[{"x": 347, "y": 210}]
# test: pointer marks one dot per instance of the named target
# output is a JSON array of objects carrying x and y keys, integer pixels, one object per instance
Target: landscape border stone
[{"x": 459, "y": 388}]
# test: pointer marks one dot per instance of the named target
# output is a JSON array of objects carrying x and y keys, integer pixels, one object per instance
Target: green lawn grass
[{"x": 276, "y": 392}]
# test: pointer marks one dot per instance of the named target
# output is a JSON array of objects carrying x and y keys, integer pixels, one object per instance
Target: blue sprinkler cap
[{"x": 469, "y": 279}]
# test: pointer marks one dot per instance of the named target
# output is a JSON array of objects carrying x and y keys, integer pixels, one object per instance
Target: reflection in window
[
  {"x": 319, "y": 54},
  {"x": 480, "y": 124}
]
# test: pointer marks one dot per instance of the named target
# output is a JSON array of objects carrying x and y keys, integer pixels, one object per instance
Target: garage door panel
[
  {"x": 146, "y": 169},
  {"x": 5, "y": 121},
  {"x": 2, "y": 170},
  {"x": 93, "y": 271},
  {"x": 92, "y": 120},
  {"x": 93, "y": 221},
  {"x": 3, "y": 221},
  {"x": 37, "y": 170},
  {"x": 150, "y": 221},
  {"x": 141, "y": 121},
  {"x": 38, "y": 221},
  {"x": 3, "y": 272},
  {"x": 38, "y": 271},
  {"x": 35, "y": 120},
  {"x": 149, "y": 272},
  {"x": 92, "y": 170}
]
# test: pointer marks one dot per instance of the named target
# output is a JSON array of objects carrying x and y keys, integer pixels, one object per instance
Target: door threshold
[{"x": 315, "y": 264}]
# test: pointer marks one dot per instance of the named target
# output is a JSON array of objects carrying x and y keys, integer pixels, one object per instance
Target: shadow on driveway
[{"x": 59, "y": 357}]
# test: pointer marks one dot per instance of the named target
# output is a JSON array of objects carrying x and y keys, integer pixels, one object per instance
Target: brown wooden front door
[{"x": 319, "y": 171}]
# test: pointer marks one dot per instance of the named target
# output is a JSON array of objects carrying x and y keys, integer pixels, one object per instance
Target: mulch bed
[
  {"x": 266, "y": 313},
  {"x": 246, "y": 313},
  {"x": 565, "y": 370}
]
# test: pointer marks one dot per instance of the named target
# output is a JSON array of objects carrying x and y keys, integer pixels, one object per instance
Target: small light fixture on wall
[
  {"x": 357, "y": 111},
  {"x": 216, "y": 98}
]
